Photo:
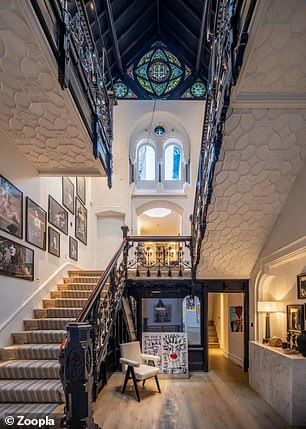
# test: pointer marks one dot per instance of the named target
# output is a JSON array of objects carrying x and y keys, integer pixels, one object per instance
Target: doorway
[{"x": 226, "y": 327}]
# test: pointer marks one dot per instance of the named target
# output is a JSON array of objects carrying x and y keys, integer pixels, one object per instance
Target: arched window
[
  {"x": 146, "y": 163},
  {"x": 173, "y": 160}
]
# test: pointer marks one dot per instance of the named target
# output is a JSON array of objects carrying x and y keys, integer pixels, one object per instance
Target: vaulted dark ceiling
[{"x": 126, "y": 28}]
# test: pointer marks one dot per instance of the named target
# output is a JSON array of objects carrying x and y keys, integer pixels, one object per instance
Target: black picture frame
[
  {"x": 11, "y": 208},
  {"x": 16, "y": 260},
  {"x": 301, "y": 286},
  {"x": 54, "y": 242},
  {"x": 80, "y": 221},
  {"x": 73, "y": 249},
  {"x": 58, "y": 216},
  {"x": 68, "y": 194},
  {"x": 36, "y": 224},
  {"x": 295, "y": 317},
  {"x": 81, "y": 189}
]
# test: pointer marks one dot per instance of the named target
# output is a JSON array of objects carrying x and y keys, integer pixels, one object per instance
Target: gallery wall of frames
[{"x": 41, "y": 227}]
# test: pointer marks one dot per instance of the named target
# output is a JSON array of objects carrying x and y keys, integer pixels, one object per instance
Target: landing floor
[{"x": 219, "y": 399}]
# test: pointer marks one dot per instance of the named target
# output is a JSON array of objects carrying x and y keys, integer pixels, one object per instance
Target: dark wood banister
[
  {"x": 162, "y": 238},
  {"x": 95, "y": 293}
]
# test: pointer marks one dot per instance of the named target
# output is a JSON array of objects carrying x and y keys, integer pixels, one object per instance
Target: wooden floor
[{"x": 219, "y": 399}]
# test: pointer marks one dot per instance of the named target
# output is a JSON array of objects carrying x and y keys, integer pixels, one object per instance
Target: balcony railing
[
  {"x": 228, "y": 37},
  {"x": 81, "y": 70}
]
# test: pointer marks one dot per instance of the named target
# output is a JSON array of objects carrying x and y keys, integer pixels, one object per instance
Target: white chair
[{"x": 134, "y": 366}]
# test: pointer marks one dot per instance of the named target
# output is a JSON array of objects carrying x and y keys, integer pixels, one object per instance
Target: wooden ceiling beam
[
  {"x": 180, "y": 42},
  {"x": 131, "y": 6},
  {"x": 114, "y": 35},
  {"x": 136, "y": 22},
  {"x": 201, "y": 36},
  {"x": 188, "y": 11},
  {"x": 137, "y": 40},
  {"x": 180, "y": 23}
]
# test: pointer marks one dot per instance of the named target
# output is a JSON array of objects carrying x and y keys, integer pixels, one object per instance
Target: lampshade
[{"x": 270, "y": 306}]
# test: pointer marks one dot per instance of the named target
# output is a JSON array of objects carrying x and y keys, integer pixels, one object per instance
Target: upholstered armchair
[{"x": 135, "y": 365}]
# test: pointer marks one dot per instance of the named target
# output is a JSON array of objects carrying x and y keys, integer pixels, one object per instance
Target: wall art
[
  {"x": 11, "y": 208},
  {"x": 16, "y": 260},
  {"x": 236, "y": 318},
  {"x": 68, "y": 194},
  {"x": 54, "y": 244},
  {"x": 295, "y": 317},
  {"x": 80, "y": 221},
  {"x": 73, "y": 248},
  {"x": 81, "y": 189},
  {"x": 36, "y": 221},
  {"x": 301, "y": 286},
  {"x": 58, "y": 216}
]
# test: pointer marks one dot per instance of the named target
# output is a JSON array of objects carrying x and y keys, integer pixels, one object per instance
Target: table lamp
[{"x": 269, "y": 307}]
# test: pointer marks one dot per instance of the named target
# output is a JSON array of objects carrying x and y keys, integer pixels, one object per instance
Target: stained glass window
[
  {"x": 196, "y": 91},
  {"x": 159, "y": 130},
  {"x": 122, "y": 91}
]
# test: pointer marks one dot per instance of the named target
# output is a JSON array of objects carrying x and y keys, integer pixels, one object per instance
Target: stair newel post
[{"x": 78, "y": 367}]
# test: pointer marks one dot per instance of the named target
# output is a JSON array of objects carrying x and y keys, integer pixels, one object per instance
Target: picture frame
[
  {"x": 36, "y": 224},
  {"x": 11, "y": 208},
  {"x": 295, "y": 317},
  {"x": 301, "y": 286},
  {"x": 68, "y": 194},
  {"x": 81, "y": 189},
  {"x": 73, "y": 248},
  {"x": 16, "y": 260},
  {"x": 236, "y": 318},
  {"x": 54, "y": 242},
  {"x": 58, "y": 216},
  {"x": 80, "y": 221}
]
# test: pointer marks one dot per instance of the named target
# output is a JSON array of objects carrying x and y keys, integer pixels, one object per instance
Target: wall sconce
[{"x": 269, "y": 307}]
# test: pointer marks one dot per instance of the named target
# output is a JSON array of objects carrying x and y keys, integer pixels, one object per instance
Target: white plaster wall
[
  {"x": 125, "y": 198},
  {"x": 217, "y": 315},
  {"x": 14, "y": 292},
  {"x": 283, "y": 257}
]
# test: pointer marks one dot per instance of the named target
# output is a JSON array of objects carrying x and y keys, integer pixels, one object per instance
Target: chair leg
[
  {"x": 127, "y": 376},
  {"x": 157, "y": 383},
  {"x": 143, "y": 383},
  {"x": 135, "y": 384}
]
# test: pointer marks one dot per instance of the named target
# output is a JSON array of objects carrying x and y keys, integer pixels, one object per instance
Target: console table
[{"x": 281, "y": 380}]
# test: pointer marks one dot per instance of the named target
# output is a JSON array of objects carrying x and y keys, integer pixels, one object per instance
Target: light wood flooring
[{"x": 219, "y": 399}]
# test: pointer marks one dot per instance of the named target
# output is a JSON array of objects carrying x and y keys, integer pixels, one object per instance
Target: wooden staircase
[
  {"x": 29, "y": 368},
  {"x": 213, "y": 341}
]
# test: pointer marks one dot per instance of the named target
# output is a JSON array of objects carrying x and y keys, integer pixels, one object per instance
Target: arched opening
[
  {"x": 159, "y": 218},
  {"x": 146, "y": 163},
  {"x": 173, "y": 161}
]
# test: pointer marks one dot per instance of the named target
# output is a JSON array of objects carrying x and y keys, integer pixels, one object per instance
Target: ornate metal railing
[
  {"x": 159, "y": 256},
  {"x": 85, "y": 349},
  {"x": 228, "y": 36},
  {"x": 81, "y": 70}
]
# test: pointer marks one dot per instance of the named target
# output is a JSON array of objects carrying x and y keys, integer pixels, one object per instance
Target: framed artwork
[
  {"x": 236, "y": 318},
  {"x": 11, "y": 208},
  {"x": 54, "y": 243},
  {"x": 16, "y": 260},
  {"x": 301, "y": 286},
  {"x": 58, "y": 216},
  {"x": 73, "y": 248},
  {"x": 295, "y": 317},
  {"x": 36, "y": 221},
  {"x": 80, "y": 221},
  {"x": 81, "y": 189},
  {"x": 162, "y": 313},
  {"x": 68, "y": 194}
]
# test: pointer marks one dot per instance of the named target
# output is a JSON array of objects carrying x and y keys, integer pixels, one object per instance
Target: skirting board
[
  {"x": 14, "y": 322},
  {"x": 237, "y": 360}
]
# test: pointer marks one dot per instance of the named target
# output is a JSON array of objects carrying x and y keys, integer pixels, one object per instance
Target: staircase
[
  {"x": 29, "y": 369},
  {"x": 213, "y": 341}
]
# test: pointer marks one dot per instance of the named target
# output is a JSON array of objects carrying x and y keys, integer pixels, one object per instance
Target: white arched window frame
[
  {"x": 146, "y": 162},
  {"x": 171, "y": 177}
]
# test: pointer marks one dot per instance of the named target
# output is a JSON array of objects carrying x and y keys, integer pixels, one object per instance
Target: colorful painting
[
  {"x": 11, "y": 208},
  {"x": 236, "y": 318},
  {"x": 171, "y": 347},
  {"x": 16, "y": 260}
]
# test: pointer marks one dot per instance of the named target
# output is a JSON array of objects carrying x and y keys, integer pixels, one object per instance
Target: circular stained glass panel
[
  {"x": 159, "y": 130},
  {"x": 159, "y": 71},
  {"x": 120, "y": 89},
  {"x": 198, "y": 89}
]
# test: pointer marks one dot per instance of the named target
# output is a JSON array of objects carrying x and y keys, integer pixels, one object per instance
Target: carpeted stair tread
[
  {"x": 71, "y": 294},
  {"x": 76, "y": 286},
  {"x": 31, "y": 391},
  {"x": 30, "y": 351},
  {"x": 65, "y": 302},
  {"x": 32, "y": 369},
  {"x": 57, "y": 312},
  {"x": 39, "y": 336},
  {"x": 47, "y": 323},
  {"x": 33, "y": 409}
]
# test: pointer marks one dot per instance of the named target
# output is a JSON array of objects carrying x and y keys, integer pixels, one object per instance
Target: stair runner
[
  {"x": 213, "y": 341},
  {"x": 29, "y": 369}
]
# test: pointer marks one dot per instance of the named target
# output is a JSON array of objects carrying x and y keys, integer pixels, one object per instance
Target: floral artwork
[{"x": 236, "y": 318}]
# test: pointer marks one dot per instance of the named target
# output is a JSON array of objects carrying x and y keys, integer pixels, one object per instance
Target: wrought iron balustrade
[
  {"x": 81, "y": 70},
  {"x": 228, "y": 36},
  {"x": 159, "y": 256}
]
